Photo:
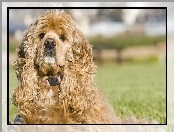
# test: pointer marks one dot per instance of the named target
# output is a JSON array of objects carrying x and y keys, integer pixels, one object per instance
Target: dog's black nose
[{"x": 50, "y": 43}]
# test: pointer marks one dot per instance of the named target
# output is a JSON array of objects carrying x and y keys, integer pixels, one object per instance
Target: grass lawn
[
  {"x": 12, "y": 86},
  {"x": 135, "y": 89}
]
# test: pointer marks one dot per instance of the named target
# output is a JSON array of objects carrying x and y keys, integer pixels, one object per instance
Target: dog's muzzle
[{"x": 50, "y": 47}]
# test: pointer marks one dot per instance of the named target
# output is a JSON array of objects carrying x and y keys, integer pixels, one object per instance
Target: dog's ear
[
  {"x": 20, "y": 51},
  {"x": 82, "y": 50},
  {"x": 70, "y": 55},
  {"x": 25, "y": 51},
  {"x": 80, "y": 43}
]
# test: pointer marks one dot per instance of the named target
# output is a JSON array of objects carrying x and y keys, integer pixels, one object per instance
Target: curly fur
[{"x": 76, "y": 99}]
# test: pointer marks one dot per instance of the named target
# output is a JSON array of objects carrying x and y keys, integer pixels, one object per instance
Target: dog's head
[
  {"x": 53, "y": 45},
  {"x": 54, "y": 36}
]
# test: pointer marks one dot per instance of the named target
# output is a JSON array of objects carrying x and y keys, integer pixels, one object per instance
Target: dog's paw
[{"x": 18, "y": 119}]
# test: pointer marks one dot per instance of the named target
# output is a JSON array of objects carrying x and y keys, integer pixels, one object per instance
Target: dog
[{"x": 56, "y": 72}]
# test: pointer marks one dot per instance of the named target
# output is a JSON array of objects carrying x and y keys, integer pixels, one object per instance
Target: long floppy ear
[
  {"x": 81, "y": 52},
  {"x": 73, "y": 53},
  {"x": 24, "y": 66},
  {"x": 25, "y": 51},
  {"x": 80, "y": 46}
]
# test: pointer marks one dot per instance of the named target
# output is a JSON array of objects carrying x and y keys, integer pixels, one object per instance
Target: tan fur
[{"x": 76, "y": 99}]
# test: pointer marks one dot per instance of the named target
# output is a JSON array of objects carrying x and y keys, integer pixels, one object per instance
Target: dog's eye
[
  {"x": 41, "y": 36},
  {"x": 62, "y": 37}
]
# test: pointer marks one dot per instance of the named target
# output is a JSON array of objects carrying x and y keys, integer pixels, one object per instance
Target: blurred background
[
  {"x": 118, "y": 35},
  {"x": 129, "y": 48}
]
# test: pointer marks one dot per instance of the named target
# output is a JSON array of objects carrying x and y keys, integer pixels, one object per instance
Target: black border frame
[{"x": 8, "y": 8}]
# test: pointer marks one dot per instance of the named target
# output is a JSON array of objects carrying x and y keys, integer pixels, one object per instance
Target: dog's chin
[
  {"x": 50, "y": 60},
  {"x": 48, "y": 66}
]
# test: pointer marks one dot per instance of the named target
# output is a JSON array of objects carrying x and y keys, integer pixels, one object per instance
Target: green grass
[
  {"x": 13, "y": 44},
  {"x": 12, "y": 86},
  {"x": 137, "y": 89},
  {"x": 134, "y": 89}
]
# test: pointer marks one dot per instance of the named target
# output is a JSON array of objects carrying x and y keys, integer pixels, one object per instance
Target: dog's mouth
[
  {"x": 54, "y": 78},
  {"x": 51, "y": 80},
  {"x": 50, "y": 77}
]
